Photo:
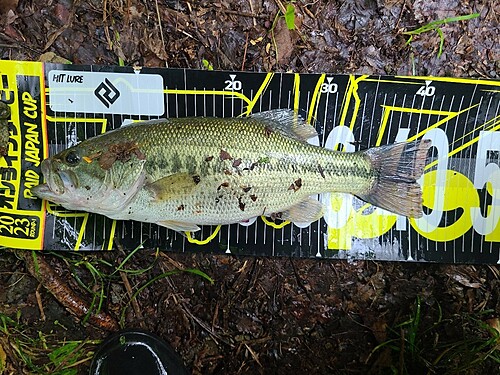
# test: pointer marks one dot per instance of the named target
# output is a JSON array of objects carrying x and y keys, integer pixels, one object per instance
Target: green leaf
[
  {"x": 436, "y": 24},
  {"x": 61, "y": 354},
  {"x": 200, "y": 273},
  {"x": 207, "y": 64},
  {"x": 290, "y": 17},
  {"x": 441, "y": 41}
]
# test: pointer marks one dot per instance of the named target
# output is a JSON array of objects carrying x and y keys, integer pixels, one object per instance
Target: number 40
[{"x": 426, "y": 90}]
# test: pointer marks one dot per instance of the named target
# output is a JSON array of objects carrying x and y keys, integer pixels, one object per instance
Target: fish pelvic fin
[
  {"x": 398, "y": 167},
  {"x": 286, "y": 122},
  {"x": 179, "y": 226}
]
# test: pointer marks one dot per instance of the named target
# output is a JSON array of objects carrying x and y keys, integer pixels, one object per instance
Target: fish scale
[{"x": 181, "y": 173}]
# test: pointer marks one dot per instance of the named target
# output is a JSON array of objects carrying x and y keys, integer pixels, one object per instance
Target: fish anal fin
[
  {"x": 286, "y": 122},
  {"x": 173, "y": 186},
  {"x": 398, "y": 168},
  {"x": 179, "y": 226},
  {"x": 307, "y": 211}
]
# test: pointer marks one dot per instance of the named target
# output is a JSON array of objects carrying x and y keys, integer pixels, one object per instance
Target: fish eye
[{"x": 72, "y": 158}]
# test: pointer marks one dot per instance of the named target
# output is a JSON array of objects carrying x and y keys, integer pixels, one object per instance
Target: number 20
[{"x": 232, "y": 85}]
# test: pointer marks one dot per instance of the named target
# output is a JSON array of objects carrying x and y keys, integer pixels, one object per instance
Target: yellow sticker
[{"x": 22, "y": 216}]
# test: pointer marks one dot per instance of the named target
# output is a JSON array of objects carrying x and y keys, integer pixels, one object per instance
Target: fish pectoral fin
[
  {"x": 173, "y": 186},
  {"x": 288, "y": 123},
  {"x": 307, "y": 211},
  {"x": 179, "y": 226}
]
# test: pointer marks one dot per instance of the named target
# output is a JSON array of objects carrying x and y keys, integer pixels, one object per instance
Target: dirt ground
[{"x": 259, "y": 315}]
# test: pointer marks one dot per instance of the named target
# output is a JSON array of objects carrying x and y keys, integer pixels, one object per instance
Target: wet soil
[{"x": 260, "y": 315}]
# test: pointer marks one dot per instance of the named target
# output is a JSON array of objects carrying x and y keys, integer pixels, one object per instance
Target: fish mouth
[
  {"x": 42, "y": 191},
  {"x": 57, "y": 182}
]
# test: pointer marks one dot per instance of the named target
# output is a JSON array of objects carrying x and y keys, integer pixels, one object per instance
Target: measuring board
[{"x": 56, "y": 106}]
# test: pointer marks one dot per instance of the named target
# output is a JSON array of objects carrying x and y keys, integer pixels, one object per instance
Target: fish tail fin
[{"x": 398, "y": 167}]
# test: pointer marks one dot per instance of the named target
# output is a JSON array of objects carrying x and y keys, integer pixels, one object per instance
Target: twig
[
  {"x": 187, "y": 34},
  {"x": 396, "y": 27},
  {"x": 39, "y": 303},
  {"x": 200, "y": 322},
  {"x": 495, "y": 272},
  {"x": 184, "y": 306},
  {"x": 105, "y": 24},
  {"x": 161, "y": 28},
  {"x": 281, "y": 6},
  {"x": 300, "y": 283},
  {"x": 244, "y": 54},
  {"x": 173, "y": 262},
  {"x": 126, "y": 21},
  {"x": 307, "y": 11},
  {"x": 133, "y": 301},
  {"x": 17, "y": 44},
  {"x": 72, "y": 301},
  {"x": 254, "y": 355},
  {"x": 244, "y": 14},
  {"x": 401, "y": 350},
  {"x": 250, "y": 2},
  {"x": 216, "y": 315}
]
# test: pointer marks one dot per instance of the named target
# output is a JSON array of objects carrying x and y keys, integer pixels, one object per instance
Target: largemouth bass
[{"x": 185, "y": 172}]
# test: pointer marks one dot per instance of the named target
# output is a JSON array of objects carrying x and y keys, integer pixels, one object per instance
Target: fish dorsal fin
[
  {"x": 286, "y": 122},
  {"x": 173, "y": 186},
  {"x": 130, "y": 122}
]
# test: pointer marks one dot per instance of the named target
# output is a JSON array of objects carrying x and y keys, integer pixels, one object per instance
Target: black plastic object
[{"x": 136, "y": 352}]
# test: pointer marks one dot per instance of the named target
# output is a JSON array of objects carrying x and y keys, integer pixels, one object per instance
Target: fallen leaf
[
  {"x": 134, "y": 12},
  {"x": 379, "y": 330},
  {"x": 61, "y": 13},
  {"x": 253, "y": 42},
  {"x": 464, "y": 281},
  {"x": 7, "y": 5},
  {"x": 51, "y": 57},
  {"x": 9, "y": 17},
  {"x": 13, "y": 33},
  {"x": 283, "y": 42}
]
